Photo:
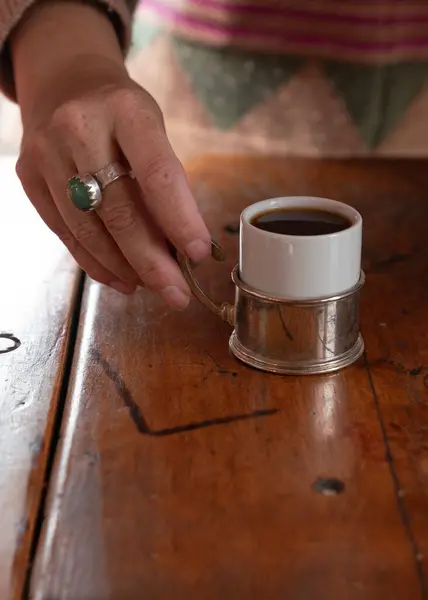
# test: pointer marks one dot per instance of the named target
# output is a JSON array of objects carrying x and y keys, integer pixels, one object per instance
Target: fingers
[
  {"x": 87, "y": 228},
  {"x": 37, "y": 190},
  {"x": 166, "y": 193},
  {"x": 142, "y": 243},
  {"x": 128, "y": 222}
]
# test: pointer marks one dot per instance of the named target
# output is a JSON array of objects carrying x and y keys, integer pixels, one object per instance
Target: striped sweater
[
  {"x": 371, "y": 31},
  {"x": 312, "y": 77}
]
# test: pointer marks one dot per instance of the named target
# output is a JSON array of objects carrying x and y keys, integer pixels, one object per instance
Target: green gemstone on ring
[{"x": 79, "y": 194}]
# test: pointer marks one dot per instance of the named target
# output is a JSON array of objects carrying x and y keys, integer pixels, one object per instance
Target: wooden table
[
  {"x": 182, "y": 474},
  {"x": 39, "y": 289}
]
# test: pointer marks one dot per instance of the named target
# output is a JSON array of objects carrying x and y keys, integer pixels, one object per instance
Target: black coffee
[{"x": 300, "y": 221}]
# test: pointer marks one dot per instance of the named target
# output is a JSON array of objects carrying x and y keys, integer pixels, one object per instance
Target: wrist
[{"x": 54, "y": 42}]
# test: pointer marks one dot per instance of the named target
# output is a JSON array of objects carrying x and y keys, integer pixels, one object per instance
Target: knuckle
[
  {"x": 188, "y": 231},
  {"x": 121, "y": 218},
  {"x": 29, "y": 177},
  {"x": 135, "y": 100},
  {"x": 65, "y": 236},
  {"x": 124, "y": 99},
  {"x": 21, "y": 169},
  {"x": 137, "y": 107},
  {"x": 153, "y": 275},
  {"x": 34, "y": 151},
  {"x": 161, "y": 173},
  {"x": 70, "y": 116},
  {"x": 97, "y": 275},
  {"x": 150, "y": 118},
  {"x": 84, "y": 232}
]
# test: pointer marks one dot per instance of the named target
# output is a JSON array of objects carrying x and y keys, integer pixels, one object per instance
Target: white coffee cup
[{"x": 300, "y": 267}]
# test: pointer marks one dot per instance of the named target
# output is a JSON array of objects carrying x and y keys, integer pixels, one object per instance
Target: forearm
[{"x": 54, "y": 37}]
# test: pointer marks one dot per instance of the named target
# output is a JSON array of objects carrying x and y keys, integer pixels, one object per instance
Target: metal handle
[{"x": 225, "y": 311}]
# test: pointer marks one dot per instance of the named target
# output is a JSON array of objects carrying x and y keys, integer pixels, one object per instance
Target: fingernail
[
  {"x": 122, "y": 287},
  {"x": 198, "y": 250},
  {"x": 175, "y": 297}
]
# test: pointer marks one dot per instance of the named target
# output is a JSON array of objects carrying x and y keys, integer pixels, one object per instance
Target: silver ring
[
  {"x": 85, "y": 191},
  {"x": 110, "y": 173}
]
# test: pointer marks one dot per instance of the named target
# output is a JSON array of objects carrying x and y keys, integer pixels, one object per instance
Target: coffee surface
[{"x": 300, "y": 221}]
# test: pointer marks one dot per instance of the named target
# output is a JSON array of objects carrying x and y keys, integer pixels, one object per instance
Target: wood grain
[
  {"x": 37, "y": 294},
  {"x": 183, "y": 474}
]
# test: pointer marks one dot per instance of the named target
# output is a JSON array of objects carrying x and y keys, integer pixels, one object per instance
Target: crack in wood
[{"x": 139, "y": 420}]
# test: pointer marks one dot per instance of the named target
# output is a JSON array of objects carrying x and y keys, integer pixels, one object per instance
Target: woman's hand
[{"x": 82, "y": 113}]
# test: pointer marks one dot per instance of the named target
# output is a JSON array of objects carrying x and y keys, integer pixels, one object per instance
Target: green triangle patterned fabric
[
  {"x": 377, "y": 97},
  {"x": 143, "y": 34},
  {"x": 229, "y": 83}
]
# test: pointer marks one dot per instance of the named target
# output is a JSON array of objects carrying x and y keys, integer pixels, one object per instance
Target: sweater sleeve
[{"x": 120, "y": 13}]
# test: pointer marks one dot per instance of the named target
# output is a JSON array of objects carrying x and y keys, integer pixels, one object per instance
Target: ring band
[
  {"x": 110, "y": 173},
  {"x": 85, "y": 191}
]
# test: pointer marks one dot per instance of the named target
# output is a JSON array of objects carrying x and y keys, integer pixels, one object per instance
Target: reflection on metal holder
[{"x": 287, "y": 336}]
